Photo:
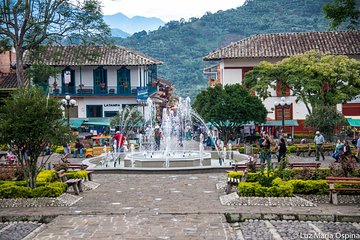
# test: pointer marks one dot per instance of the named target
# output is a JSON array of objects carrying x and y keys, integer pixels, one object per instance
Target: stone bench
[{"x": 341, "y": 180}]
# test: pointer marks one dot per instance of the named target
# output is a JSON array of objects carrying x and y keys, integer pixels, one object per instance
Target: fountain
[{"x": 174, "y": 150}]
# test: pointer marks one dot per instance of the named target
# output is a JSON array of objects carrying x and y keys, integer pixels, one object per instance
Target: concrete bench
[
  {"x": 304, "y": 165},
  {"x": 75, "y": 183},
  {"x": 341, "y": 180}
]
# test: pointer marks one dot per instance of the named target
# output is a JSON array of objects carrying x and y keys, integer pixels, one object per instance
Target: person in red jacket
[{"x": 120, "y": 139}]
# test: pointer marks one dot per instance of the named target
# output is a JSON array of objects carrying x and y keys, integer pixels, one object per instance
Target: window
[
  {"x": 94, "y": 110},
  {"x": 68, "y": 80},
  {"x": 287, "y": 113},
  {"x": 110, "y": 113}
]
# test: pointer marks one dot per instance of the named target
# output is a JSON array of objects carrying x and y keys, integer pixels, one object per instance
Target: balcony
[{"x": 97, "y": 91}]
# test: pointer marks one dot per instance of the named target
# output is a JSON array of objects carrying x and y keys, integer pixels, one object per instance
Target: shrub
[
  {"x": 346, "y": 167},
  {"x": 46, "y": 176},
  {"x": 306, "y": 136},
  {"x": 18, "y": 189},
  {"x": 303, "y": 173},
  {"x": 82, "y": 174},
  {"x": 14, "y": 191},
  {"x": 59, "y": 150},
  {"x": 235, "y": 175},
  {"x": 49, "y": 190},
  {"x": 310, "y": 186},
  {"x": 279, "y": 188},
  {"x": 291, "y": 149}
]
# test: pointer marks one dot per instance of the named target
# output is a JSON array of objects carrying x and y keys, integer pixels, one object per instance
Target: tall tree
[
  {"x": 325, "y": 119},
  {"x": 28, "y": 24},
  {"x": 343, "y": 11},
  {"x": 29, "y": 121},
  {"x": 314, "y": 78},
  {"x": 229, "y": 107}
]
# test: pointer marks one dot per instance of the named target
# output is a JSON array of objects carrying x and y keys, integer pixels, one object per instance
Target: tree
[
  {"x": 326, "y": 120},
  {"x": 29, "y": 120},
  {"x": 127, "y": 119},
  {"x": 26, "y": 25},
  {"x": 342, "y": 11},
  {"x": 229, "y": 108},
  {"x": 316, "y": 79}
]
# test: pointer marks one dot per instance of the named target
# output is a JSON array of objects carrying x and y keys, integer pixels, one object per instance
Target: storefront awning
[
  {"x": 353, "y": 122},
  {"x": 97, "y": 123},
  {"x": 277, "y": 123},
  {"x": 76, "y": 122}
]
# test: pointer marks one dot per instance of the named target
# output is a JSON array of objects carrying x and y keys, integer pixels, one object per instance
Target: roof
[
  {"x": 289, "y": 44},
  {"x": 9, "y": 80},
  {"x": 91, "y": 56}
]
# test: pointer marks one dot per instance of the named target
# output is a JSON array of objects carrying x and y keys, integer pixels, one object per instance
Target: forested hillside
[{"x": 181, "y": 45}]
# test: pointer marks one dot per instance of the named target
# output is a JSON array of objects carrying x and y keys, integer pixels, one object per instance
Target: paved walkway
[
  {"x": 167, "y": 206},
  {"x": 154, "y": 206}
]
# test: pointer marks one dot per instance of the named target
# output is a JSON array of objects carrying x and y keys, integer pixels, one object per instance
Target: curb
[{"x": 241, "y": 217}]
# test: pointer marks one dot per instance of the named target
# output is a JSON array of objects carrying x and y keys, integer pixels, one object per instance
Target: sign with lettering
[
  {"x": 142, "y": 93},
  {"x": 112, "y": 105}
]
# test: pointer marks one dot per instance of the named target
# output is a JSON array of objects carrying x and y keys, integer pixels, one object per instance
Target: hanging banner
[{"x": 142, "y": 93}]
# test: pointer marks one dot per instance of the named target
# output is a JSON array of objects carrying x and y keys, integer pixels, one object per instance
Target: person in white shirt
[{"x": 319, "y": 149}]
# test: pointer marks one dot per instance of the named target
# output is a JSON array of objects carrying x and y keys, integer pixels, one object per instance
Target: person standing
[
  {"x": 79, "y": 148},
  {"x": 358, "y": 147},
  {"x": 282, "y": 150},
  {"x": 120, "y": 139},
  {"x": 157, "y": 136},
  {"x": 319, "y": 149}
]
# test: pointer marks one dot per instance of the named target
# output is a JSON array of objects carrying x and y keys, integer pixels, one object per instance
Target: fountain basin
[{"x": 159, "y": 159}]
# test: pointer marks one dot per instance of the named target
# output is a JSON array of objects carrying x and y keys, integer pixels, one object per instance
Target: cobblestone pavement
[{"x": 294, "y": 230}]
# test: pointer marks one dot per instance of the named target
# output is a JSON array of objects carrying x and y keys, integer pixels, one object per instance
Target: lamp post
[
  {"x": 283, "y": 105},
  {"x": 67, "y": 103}
]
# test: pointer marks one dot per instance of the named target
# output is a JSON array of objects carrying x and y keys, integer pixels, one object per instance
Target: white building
[
  {"x": 102, "y": 79},
  {"x": 238, "y": 58}
]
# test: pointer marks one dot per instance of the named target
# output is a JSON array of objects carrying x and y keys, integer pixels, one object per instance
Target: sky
[{"x": 167, "y": 10}]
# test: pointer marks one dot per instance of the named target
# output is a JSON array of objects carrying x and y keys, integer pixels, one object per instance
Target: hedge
[
  {"x": 310, "y": 186},
  {"x": 289, "y": 174},
  {"x": 82, "y": 174},
  {"x": 46, "y": 176},
  {"x": 13, "y": 189},
  {"x": 278, "y": 189}
]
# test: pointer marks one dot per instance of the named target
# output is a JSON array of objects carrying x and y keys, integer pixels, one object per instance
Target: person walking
[{"x": 319, "y": 149}]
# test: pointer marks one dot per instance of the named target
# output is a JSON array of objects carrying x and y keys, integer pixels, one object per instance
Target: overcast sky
[{"x": 167, "y": 9}]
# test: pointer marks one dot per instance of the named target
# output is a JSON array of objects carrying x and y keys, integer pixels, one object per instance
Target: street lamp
[
  {"x": 67, "y": 103},
  {"x": 283, "y": 105}
]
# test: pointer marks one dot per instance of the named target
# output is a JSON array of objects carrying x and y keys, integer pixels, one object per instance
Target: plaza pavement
[{"x": 169, "y": 206}]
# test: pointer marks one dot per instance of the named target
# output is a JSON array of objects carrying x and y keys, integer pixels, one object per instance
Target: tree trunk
[{"x": 20, "y": 66}]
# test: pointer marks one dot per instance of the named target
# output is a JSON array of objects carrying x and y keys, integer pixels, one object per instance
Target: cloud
[{"x": 167, "y": 9}]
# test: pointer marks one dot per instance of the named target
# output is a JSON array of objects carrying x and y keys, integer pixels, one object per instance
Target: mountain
[
  {"x": 134, "y": 24},
  {"x": 181, "y": 45},
  {"x": 119, "y": 33}
]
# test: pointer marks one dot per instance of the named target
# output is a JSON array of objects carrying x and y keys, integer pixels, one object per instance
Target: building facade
[
  {"x": 102, "y": 79},
  {"x": 238, "y": 58}
]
